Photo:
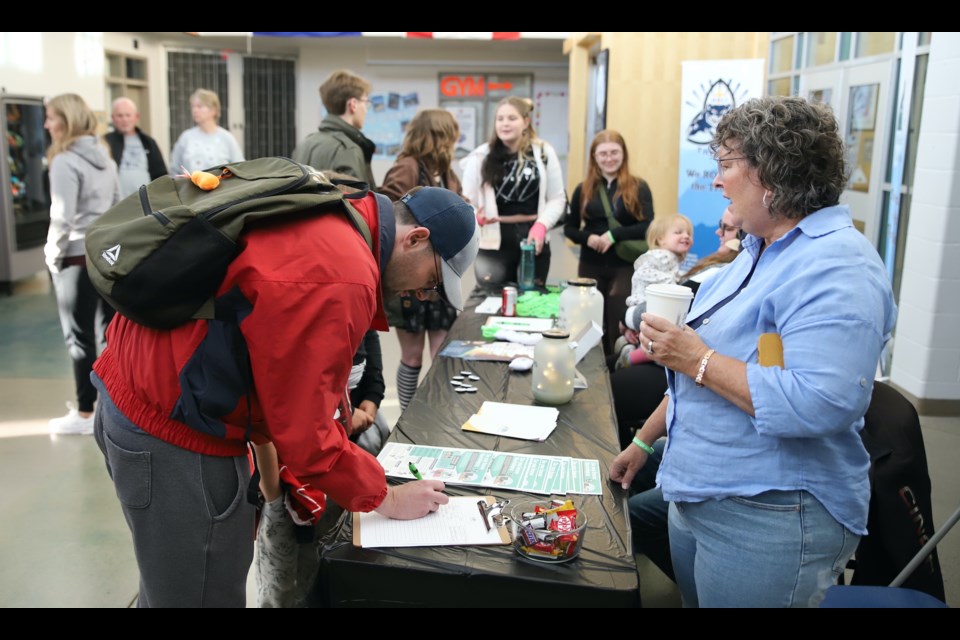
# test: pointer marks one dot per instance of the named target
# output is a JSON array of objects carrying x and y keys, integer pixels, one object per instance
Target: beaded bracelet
[
  {"x": 703, "y": 367},
  {"x": 643, "y": 445}
]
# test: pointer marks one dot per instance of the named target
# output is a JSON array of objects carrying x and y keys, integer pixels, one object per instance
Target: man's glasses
[
  {"x": 720, "y": 161},
  {"x": 436, "y": 291},
  {"x": 726, "y": 227}
]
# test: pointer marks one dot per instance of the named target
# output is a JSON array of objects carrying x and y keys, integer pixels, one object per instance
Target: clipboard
[{"x": 457, "y": 523}]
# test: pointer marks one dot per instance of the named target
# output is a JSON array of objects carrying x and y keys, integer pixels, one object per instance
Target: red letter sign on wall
[{"x": 462, "y": 87}]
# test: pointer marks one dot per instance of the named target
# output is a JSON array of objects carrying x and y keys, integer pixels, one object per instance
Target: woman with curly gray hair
[{"x": 770, "y": 378}]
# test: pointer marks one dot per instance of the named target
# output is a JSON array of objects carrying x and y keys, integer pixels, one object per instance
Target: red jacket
[{"x": 305, "y": 289}]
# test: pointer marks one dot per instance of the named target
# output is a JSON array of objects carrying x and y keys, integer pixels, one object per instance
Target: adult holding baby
[{"x": 764, "y": 466}]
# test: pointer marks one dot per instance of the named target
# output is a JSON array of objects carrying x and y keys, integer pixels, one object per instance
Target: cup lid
[{"x": 669, "y": 290}]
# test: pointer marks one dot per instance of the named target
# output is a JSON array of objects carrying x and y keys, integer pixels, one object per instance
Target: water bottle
[
  {"x": 580, "y": 304},
  {"x": 527, "y": 265},
  {"x": 554, "y": 368}
]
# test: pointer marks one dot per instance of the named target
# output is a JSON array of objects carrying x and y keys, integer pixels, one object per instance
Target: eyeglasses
[
  {"x": 723, "y": 228},
  {"x": 436, "y": 291},
  {"x": 616, "y": 153},
  {"x": 720, "y": 162},
  {"x": 366, "y": 100}
]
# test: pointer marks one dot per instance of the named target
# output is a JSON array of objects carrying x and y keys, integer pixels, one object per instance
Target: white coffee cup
[{"x": 670, "y": 301}]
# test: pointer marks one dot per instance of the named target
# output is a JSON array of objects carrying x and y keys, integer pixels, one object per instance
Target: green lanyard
[{"x": 605, "y": 200}]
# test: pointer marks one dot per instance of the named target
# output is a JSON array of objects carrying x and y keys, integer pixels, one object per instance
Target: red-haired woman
[{"x": 629, "y": 201}]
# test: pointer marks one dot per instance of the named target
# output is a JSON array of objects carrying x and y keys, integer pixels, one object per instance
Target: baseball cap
[{"x": 453, "y": 234}]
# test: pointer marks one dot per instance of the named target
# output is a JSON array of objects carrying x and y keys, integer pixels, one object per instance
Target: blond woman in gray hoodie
[{"x": 83, "y": 184}]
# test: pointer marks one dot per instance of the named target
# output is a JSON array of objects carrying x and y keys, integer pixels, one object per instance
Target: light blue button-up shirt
[{"x": 823, "y": 288}]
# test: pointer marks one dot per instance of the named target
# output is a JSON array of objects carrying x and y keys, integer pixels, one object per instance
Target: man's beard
[{"x": 396, "y": 267}]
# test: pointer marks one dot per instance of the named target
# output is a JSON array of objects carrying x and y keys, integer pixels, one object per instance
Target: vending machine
[{"x": 25, "y": 202}]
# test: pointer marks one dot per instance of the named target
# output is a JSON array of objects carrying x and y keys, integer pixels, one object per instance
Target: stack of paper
[
  {"x": 547, "y": 475},
  {"x": 459, "y": 522},
  {"x": 490, "y": 305},
  {"x": 514, "y": 421}
]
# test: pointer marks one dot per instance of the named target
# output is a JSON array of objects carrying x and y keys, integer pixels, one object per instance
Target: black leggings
[
  {"x": 84, "y": 317},
  {"x": 499, "y": 266}
]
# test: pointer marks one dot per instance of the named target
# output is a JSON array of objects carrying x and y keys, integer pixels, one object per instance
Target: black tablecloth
[{"x": 603, "y": 575}]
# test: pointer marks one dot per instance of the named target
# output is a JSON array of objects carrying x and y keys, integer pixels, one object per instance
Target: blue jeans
[{"x": 776, "y": 549}]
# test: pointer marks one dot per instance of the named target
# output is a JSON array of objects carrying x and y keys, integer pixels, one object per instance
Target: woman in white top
[
  {"x": 515, "y": 183},
  {"x": 207, "y": 144}
]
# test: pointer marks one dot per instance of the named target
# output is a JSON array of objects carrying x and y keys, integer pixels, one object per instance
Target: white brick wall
[{"x": 926, "y": 357}]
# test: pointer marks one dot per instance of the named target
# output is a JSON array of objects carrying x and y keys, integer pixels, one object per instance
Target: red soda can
[{"x": 509, "y": 305}]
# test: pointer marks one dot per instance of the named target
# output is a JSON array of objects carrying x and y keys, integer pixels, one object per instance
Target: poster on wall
[
  {"x": 709, "y": 89},
  {"x": 466, "y": 117},
  {"x": 387, "y": 121}
]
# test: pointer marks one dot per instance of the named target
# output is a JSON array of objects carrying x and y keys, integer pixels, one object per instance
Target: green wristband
[
  {"x": 611, "y": 238},
  {"x": 643, "y": 445}
]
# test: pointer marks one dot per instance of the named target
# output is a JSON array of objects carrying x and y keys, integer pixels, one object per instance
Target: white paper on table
[
  {"x": 456, "y": 523},
  {"x": 514, "y": 421},
  {"x": 489, "y": 305}
]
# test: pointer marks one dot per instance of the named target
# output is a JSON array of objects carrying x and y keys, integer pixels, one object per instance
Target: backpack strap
[{"x": 357, "y": 219}]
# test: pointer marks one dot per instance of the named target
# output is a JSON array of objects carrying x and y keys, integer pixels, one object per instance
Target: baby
[{"x": 670, "y": 238}]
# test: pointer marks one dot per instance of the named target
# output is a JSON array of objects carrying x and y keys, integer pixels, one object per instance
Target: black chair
[{"x": 900, "y": 521}]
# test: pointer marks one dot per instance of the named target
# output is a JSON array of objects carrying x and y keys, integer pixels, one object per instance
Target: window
[
  {"x": 873, "y": 43},
  {"x": 821, "y": 48},
  {"x": 781, "y": 55},
  {"x": 779, "y": 87},
  {"x": 187, "y": 72},
  {"x": 269, "y": 99}
]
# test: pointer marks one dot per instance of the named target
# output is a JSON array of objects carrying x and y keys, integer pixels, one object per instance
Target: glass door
[{"x": 866, "y": 128}]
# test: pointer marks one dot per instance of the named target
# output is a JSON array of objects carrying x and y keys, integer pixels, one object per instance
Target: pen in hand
[{"x": 413, "y": 469}]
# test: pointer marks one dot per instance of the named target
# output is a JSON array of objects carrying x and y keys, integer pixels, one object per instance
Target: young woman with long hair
[
  {"x": 516, "y": 185},
  {"x": 83, "y": 184},
  {"x": 631, "y": 205},
  {"x": 425, "y": 161}
]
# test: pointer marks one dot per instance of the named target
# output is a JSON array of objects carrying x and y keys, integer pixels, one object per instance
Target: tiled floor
[{"x": 63, "y": 541}]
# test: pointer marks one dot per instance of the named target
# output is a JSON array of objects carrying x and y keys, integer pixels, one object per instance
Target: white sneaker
[{"x": 72, "y": 424}]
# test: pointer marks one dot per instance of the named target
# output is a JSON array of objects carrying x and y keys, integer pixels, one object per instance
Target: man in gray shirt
[{"x": 137, "y": 155}]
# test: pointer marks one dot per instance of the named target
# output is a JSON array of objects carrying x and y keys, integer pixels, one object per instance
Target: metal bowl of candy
[{"x": 547, "y": 530}]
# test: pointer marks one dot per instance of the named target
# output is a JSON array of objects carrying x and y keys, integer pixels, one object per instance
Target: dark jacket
[
  {"x": 595, "y": 222},
  {"x": 407, "y": 173},
  {"x": 338, "y": 146},
  {"x": 155, "y": 164}
]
